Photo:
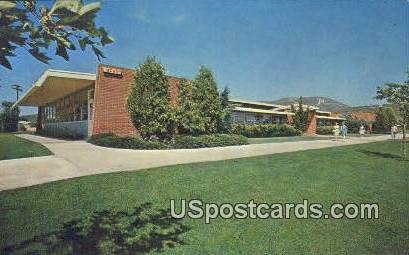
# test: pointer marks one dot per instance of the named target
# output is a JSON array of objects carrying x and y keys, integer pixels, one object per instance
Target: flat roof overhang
[
  {"x": 253, "y": 110},
  {"x": 55, "y": 84},
  {"x": 239, "y": 101},
  {"x": 329, "y": 118}
]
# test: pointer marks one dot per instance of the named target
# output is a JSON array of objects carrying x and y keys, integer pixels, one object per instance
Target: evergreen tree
[
  {"x": 225, "y": 124},
  {"x": 300, "y": 116},
  {"x": 188, "y": 115},
  {"x": 205, "y": 94},
  {"x": 148, "y": 102}
]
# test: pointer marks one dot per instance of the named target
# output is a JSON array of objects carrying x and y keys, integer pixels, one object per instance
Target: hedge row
[
  {"x": 325, "y": 130},
  {"x": 179, "y": 142},
  {"x": 203, "y": 141},
  {"x": 264, "y": 130},
  {"x": 113, "y": 141},
  {"x": 61, "y": 132}
]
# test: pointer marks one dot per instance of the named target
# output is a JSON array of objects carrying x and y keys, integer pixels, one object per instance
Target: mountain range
[{"x": 324, "y": 104}]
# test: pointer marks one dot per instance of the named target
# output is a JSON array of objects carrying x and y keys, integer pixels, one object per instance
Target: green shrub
[
  {"x": 113, "y": 141},
  {"x": 204, "y": 141},
  {"x": 264, "y": 130},
  {"x": 179, "y": 142},
  {"x": 325, "y": 130},
  {"x": 61, "y": 132}
]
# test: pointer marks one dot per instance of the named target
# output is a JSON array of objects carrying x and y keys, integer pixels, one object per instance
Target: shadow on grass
[
  {"x": 385, "y": 155},
  {"x": 109, "y": 232}
]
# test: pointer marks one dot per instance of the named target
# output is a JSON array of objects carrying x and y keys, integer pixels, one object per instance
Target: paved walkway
[{"x": 79, "y": 158}]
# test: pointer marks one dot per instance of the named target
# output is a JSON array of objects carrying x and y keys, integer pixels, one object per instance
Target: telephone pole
[{"x": 17, "y": 88}]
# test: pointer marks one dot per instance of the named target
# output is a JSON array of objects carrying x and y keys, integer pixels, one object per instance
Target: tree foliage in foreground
[
  {"x": 148, "y": 102},
  {"x": 64, "y": 25}
]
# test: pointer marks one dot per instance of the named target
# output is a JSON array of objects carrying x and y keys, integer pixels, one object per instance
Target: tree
[
  {"x": 189, "y": 118},
  {"x": 148, "y": 102},
  {"x": 9, "y": 117},
  {"x": 397, "y": 94},
  {"x": 355, "y": 124},
  {"x": 300, "y": 118},
  {"x": 385, "y": 119},
  {"x": 205, "y": 94},
  {"x": 225, "y": 124},
  {"x": 25, "y": 24}
]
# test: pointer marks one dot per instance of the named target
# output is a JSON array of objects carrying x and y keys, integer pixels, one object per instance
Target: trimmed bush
[
  {"x": 264, "y": 130},
  {"x": 61, "y": 132},
  {"x": 113, "y": 141},
  {"x": 179, "y": 142},
  {"x": 325, "y": 130},
  {"x": 204, "y": 141}
]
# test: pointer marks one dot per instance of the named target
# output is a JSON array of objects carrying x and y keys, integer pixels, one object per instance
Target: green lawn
[
  {"x": 41, "y": 217},
  {"x": 12, "y": 147}
]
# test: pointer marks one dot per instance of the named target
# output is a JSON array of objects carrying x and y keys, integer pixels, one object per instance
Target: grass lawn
[
  {"x": 12, "y": 147},
  {"x": 41, "y": 217}
]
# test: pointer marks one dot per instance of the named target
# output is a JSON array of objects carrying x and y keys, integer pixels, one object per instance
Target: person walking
[
  {"x": 394, "y": 131},
  {"x": 336, "y": 131},
  {"x": 362, "y": 130},
  {"x": 344, "y": 131}
]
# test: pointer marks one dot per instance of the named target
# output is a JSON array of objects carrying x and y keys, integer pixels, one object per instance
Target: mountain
[
  {"x": 324, "y": 103},
  {"x": 29, "y": 117}
]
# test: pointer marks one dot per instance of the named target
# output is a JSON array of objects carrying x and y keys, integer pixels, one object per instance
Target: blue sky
[{"x": 263, "y": 50}]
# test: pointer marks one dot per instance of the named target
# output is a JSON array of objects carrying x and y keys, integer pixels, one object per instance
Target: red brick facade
[
  {"x": 111, "y": 90},
  {"x": 311, "y": 127}
]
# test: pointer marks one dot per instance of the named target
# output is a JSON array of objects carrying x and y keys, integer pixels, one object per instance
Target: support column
[
  {"x": 39, "y": 126},
  {"x": 90, "y": 108}
]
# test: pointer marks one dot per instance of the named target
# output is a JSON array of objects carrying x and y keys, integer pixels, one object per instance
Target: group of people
[{"x": 343, "y": 130}]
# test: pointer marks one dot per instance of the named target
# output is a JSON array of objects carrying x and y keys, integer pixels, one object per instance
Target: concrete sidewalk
[{"x": 79, "y": 158}]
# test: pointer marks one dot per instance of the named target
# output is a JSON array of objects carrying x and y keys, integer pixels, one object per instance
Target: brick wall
[
  {"x": 311, "y": 127},
  {"x": 111, "y": 90}
]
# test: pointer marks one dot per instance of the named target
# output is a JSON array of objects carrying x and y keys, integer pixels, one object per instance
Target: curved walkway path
[{"x": 79, "y": 158}]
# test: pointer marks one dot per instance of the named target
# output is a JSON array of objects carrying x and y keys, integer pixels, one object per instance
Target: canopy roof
[
  {"x": 239, "y": 101},
  {"x": 254, "y": 110},
  {"x": 55, "y": 84},
  {"x": 329, "y": 118}
]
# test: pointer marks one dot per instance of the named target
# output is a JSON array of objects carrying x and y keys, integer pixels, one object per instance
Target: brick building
[{"x": 86, "y": 104}]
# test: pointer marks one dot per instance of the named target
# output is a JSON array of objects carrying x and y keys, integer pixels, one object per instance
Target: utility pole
[{"x": 17, "y": 88}]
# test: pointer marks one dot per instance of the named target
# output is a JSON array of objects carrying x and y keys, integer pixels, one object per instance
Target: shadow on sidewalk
[{"x": 109, "y": 232}]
